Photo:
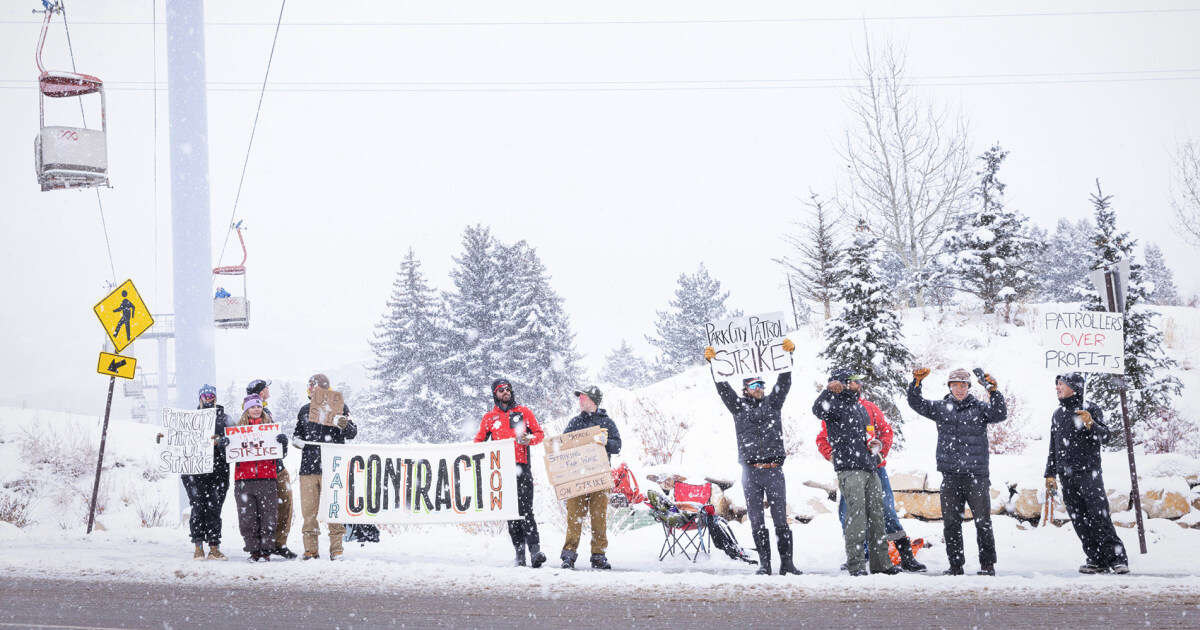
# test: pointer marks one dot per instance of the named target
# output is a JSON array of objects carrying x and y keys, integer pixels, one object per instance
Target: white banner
[
  {"x": 746, "y": 346},
  {"x": 418, "y": 483},
  {"x": 253, "y": 442},
  {"x": 187, "y": 446},
  {"x": 1087, "y": 341}
]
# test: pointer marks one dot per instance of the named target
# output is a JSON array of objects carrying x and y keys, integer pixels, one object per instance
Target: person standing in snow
[
  {"x": 206, "y": 492},
  {"x": 256, "y": 491},
  {"x": 283, "y": 525},
  {"x": 879, "y": 442},
  {"x": 590, "y": 415},
  {"x": 507, "y": 420},
  {"x": 962, "y": 458},
  {"x": 1077, "y": 431},
  {"x": 852, "y": 453},
  {"x": 308, "y": 436},
  {"x": 758, "y": 423}
]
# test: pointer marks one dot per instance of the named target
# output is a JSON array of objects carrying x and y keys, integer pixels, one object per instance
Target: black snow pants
[
  {"x": 1087, "y": 505},
  {"x": 975, "y": 491},
  {"x": 524, "y": 531},
  {"x": 206, "y": 494},
  {"x": 765, "y": 483}
]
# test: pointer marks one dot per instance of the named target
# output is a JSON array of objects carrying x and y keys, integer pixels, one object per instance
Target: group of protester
[{"x": 855, "y": 437}]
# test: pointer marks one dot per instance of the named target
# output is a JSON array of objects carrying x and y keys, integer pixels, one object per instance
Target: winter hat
[
  {"x": 257, "y": 385},
  {"x": 753, "y": 379},
  {"x": 316, "y": 380},
  {"x": 251, "y": 401},
  {"x": 1075, "y": 380},
  {"x": 591, "y": 391},
  {"x": 959, "y": 375},
  {"x": 496, "y": 384},
  {"x": 844, "y": 375},
  {"x": 207, "y": 389}
]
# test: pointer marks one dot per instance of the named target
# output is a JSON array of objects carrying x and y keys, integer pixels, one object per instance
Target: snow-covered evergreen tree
[
  {"x": 991, "y": 246},
  {"x": 407, "y": 403},
  {"x": 680, "y": 329},
  {"x": 1063, "y": 263},
  {"x": 812, "y": 261},
  {"x": 624, "y": 368},
  {"x": 1159, "y": 276},
  {"x": 865, "y": 336},
  {"x": 1147, "y": 367}
]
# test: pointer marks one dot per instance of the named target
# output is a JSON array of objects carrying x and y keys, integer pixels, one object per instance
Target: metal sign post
[{"x": 112, "y": 380}]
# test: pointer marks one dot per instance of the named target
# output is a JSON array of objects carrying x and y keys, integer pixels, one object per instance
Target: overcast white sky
[{"x": 621, "y": 182}]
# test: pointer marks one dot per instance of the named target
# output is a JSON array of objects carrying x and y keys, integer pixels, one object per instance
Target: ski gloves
[
  {"x": 919, "y": 375},
  {"x": 1085, "y": 417}
]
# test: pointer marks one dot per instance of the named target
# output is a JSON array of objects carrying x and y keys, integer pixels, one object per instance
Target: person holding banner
[
  {"x": 1077, "y": 431},
  {"x": 283, "y": 526},
  {"x": 758, "y": 423},
  {"x": 309, "y": 436},
  {"x": 507, "y": 420},
  {"x": 206, "y": 493},
  {"x": 256, "y": 491},
  {"x": 962, "y": 458},
  {"x": 590, "y": 415}
]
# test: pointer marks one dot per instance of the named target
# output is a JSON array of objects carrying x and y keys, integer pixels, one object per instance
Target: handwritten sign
[
  {"x": 186, "y": 447},
  {"x": 577, "y": 463},
  {"x": 748, "y": 346},
  {"x": 253, "y": 442},
  {"x": 1087, "y": 341},
  {"x": 326, "y": 405}
]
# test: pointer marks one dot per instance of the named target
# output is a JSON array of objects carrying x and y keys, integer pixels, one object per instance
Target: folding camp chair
[{"x": 686, "y": 531}]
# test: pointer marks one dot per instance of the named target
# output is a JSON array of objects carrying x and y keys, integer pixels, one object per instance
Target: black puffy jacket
[
  {"x": 846, "y": 423},
  {"x": 758, "y": 423},
  {"x": 598, "y": 418},
  {"x": 962, "y": 446},
  {"x": 1074, "y": 448},
  {"x": 310, "y": 457}
]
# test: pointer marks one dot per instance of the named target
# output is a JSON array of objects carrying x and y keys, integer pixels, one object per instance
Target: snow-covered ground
[{"x": 49, "y": 458}]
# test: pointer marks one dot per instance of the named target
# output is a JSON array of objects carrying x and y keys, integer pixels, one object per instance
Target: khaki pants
[
  {"x": 284, "y": 524},
  {"x": 577, "y": 509},
  {"x": 310, "y": 499}
]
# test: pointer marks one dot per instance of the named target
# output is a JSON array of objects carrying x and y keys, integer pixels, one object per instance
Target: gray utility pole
[{"x": 191, "y": 233}]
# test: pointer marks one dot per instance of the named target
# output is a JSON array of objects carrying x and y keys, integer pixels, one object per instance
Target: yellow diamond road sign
[
  {"x": 116, "y": 365},
  {"x": 124, "y": 315}
]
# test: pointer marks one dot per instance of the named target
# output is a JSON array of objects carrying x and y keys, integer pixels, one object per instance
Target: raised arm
[
  {"x": 779, "y": 393},
  {"x": 996, "y": 410},
  {"x": 823, "y": 405},
  {"x": 917, "y": 403},
  {"x": 728, "y": 396}
]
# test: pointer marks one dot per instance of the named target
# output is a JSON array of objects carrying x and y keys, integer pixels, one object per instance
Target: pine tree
[
  {"x": 1160, "y": 278},
  {"x": 991, "y": 247},
  {"x": 1147, "y": 367},
  {"x": 866, "y": 336},
  {"x": 406, "y": 402},
  {"x": 625, "y": 369},
  {"x": 285, "y": 404},
  {"x": 813, "y": 262},
  {"x": 1063, "y": 263},
  {"x": 680, "y": 330}
]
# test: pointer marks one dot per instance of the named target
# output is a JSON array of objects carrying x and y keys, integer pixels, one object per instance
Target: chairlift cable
[
  {"x": 241, "y": 180},
  {"x": 62, "y": 5}
]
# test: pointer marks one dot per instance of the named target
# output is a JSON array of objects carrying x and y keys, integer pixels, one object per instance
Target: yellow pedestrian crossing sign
[
  {"x": 123, "y": 315},
  {"x": 116, "y": 365}
]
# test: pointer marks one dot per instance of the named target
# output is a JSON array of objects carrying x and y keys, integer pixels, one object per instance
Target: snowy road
[{"x": 91, "y": 604}]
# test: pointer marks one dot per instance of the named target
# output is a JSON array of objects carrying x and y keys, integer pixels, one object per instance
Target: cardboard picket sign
[
  {"x": 186, "y": 447},
  {"x": 253, "y": 442},
  {"x": 325, "y": 406},
  {"x": 577, "y": 463}
]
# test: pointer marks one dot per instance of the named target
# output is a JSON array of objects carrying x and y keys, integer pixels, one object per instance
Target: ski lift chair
[
  {"x": 68, "y": 157},
  {"x": 233, "y": 311},
  {"x": 135, "y": 388},
  {"x": 685, "y": 532}
]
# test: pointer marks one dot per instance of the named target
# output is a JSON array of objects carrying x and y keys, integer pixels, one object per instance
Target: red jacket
[
  {"x": 262, "y": 469},
  {"x": 882, "y": 430},
  {"x": 498, "y": 425}
]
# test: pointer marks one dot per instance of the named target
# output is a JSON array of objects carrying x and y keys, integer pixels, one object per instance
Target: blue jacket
[{"x": 962, "y": 446}]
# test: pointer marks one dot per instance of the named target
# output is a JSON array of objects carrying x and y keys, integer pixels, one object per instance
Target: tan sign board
[{"x": 577, "y": 464}]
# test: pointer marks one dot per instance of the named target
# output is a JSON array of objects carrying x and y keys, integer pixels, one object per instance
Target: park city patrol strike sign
[{"x": 123, "y": 315}]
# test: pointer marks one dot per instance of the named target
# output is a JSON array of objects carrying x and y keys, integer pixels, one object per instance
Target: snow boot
[
  {"x": 335, "y": 556},
  {"x": 987, "y": 569},
  {"x": 953, "y": 570},
  {"x": 892, "y": 570},
  {"x": 284, "y": 552},
  {"x": 785, "y": 553},
  {"x": 214, "y": 553},
  {"x": 536, "y": 557},
  {"x": 1090, "y": 569},
  {"x": 568, "y": 559},
  {"x": 908, "y": 561},
  {"x": 1119, "y": 568},
  {"x": 600, "y": 562},
  {"x": 859, "y": 573},
  {"x": 762, "y": 544},
  {"x": 199, "y": 553},
  {"x": 310, "y": 555},
  {"x": 520, "y": 560}
]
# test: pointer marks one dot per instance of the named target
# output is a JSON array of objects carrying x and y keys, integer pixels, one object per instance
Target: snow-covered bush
[
  {"x": 15, "y": 508},
  {"x": 1009, "y": 436},
  {"x": 660, "y": 432}
]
